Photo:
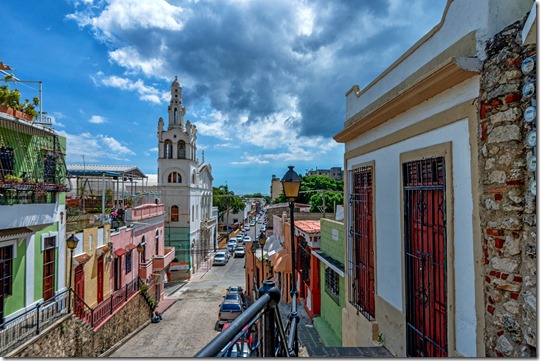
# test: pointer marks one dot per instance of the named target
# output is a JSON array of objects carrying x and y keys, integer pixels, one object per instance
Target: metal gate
[
  {"x": 425, "y": 257},
  {"x": 361, "y": 260}
]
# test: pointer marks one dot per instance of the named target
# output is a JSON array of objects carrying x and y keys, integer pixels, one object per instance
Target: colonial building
[
  {"x": 32, "y": 226},
  {"x": 185, "y": 187},
  {"x": 439, "y": 223}
]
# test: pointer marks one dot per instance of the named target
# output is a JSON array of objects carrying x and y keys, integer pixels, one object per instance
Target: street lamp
[
  {"x": 262, "y": 241},
  {"x": 71, "y": 244},
  {"x": 291, "y": 188},
  {"x": 253, "y": 249}
]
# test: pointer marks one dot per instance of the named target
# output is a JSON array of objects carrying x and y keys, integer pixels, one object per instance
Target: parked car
[
  {"x": 247, "y": 227},
  {"x": 229, "y": 310},
  {"x": 231, "y": 247},
  {"x": 239, "y": 252},
  {"x": 219, "y": 259},
  {"x": 225, "y": 252},
  {"x": 247, "y": 239}
]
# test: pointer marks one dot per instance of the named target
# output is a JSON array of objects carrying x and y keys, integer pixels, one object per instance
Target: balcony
[
  {"x": 160, "y": 262},
  {"x": 27, "y": 215},
  {"x": 144, "y": 212},
  {"x": 145, "y": 269}
]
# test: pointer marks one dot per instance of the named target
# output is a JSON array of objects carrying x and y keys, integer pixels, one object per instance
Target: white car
[
  {"x": 247, "y": 227},
  {"x": 219, "y": 259},
  {"x": 223, "y": 252},
  {"x": 247, "y": 239},
  {"x": 239, "y": 252}
]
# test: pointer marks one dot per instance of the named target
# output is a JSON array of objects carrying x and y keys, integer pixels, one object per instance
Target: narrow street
[{"x": 190, "y": 323}]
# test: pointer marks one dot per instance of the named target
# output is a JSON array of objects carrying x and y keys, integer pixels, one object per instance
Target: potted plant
[{"x": 10, "y": 102}]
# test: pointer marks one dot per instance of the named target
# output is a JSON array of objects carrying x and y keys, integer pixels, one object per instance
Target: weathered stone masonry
[{"x": 507, "y": 207}]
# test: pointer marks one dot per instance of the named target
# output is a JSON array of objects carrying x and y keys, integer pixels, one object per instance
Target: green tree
[
  {"x": 227, "y": 201},
  {"x": 318, "y": 190},
  {"x": 12, "y": 99}
]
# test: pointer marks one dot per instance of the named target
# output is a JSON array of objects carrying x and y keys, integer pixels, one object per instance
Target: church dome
[{"x": 175, "y": 83}]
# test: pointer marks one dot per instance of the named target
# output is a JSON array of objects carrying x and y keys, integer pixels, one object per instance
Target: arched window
[
  {"x": 181, "y": 150},
  {"x": 174, "y": 177},
  {"x": 157, "y": 242},
  {"x": 143, "y": 253},
  {"x": 174, "y": 214},
  {"x": 168, "y": 149},
  {"x": 193, "y": 178},
  {"x": 175, "y": 116},
  {"x": 193, "y": 213}
]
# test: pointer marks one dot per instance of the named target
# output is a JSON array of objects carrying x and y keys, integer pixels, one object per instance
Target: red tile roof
[{"x": 308, "y": 226}]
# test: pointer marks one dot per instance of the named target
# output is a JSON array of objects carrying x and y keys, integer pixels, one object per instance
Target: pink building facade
[{"x": 138, "y": 249}]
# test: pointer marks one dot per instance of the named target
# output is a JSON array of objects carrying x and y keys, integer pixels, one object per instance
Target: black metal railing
[
  {"x": 30, "y": 323},
  {"x": 259, "y": 330},
  {"x": 96, "y": 315}
]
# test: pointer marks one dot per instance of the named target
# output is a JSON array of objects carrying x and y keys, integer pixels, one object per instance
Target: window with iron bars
[
  {"x": 6, "y": 262},
  {"x": 305, "y": 258},
  {"x": 331, "y": 282},
  {"x": 361, "y": 282}
]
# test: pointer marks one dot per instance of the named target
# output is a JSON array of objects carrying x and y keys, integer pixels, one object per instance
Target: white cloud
[
  {"x": 132, "y": 14},
  {"x": 97, "y": 119},
  {"x": 94, "y": 148},
  {"x": 146, "y": 93}
]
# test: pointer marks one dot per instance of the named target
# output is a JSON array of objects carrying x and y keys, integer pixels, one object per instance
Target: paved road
[{"x": 189, "y": 324}]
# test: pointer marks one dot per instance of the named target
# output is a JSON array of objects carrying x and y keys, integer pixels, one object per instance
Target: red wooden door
[
  {"x": 48, "y": 273},
  {"x": 425, "y": 257},
  {"x": 79, "y": 291},
  {"x": 100, "y": 279}
]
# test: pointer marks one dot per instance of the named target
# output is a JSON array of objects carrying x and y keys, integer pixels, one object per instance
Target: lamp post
[
  {"x": 253, "y": 248},
  {"x": 291, "y": 188},
  {"x": 262, "y": 241},
  {"x": 71, "y": 244}
]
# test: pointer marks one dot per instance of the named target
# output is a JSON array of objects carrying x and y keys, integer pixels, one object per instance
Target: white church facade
[{"x": 185, "y": 187}]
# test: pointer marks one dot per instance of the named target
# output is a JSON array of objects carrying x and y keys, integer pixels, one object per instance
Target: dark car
[{"x": 229, "y": 310}]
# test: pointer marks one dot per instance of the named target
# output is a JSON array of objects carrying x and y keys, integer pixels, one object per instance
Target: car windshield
[
  {"x": 219, "y": 256},
  {"x": 239, "y": 248},
  {"x": 230, "y": 307}
]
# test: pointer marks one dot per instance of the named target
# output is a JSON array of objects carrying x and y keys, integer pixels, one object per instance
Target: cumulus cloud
[
  {"x": 97, "y": 119},
  {"x": 277, "y": 70},
  {"x": 94, "y": 148}
]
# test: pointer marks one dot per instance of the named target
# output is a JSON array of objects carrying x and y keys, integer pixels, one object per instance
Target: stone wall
[
  {"x": 71, "y": 337},
  {"x": 507, "y": 206}
]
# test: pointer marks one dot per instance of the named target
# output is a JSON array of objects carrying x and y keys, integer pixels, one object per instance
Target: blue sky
[{"x": 263, "y": 81}]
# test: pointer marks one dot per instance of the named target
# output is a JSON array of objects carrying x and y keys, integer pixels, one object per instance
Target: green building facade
[{"x": 331, "y": 257}]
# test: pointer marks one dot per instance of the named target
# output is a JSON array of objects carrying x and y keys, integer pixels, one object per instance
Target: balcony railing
[
  {"x": 30, "y": 323},
  {"x": 160, "y": 262},
  {"x": 95, "y": 316},
  {"x": 259, "y": 328}
]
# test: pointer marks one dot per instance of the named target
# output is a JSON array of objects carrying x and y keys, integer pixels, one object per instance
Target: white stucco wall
[
  {"x": 487, "y": 17},
  {"x": 389, "y": 265}
]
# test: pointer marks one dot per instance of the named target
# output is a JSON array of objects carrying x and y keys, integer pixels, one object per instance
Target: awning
[
  {"x": 15, "y": 233},
  {"x": 130, "y": 247},
  {"x": 102, "y": 250},
  {"x": 120, "y": 252},
  {"x": 331, "y": 262},
  {"x": 277, "y": 256},
  {"x": 81, "y": 259},
  {"x": 284, "y": 264}
]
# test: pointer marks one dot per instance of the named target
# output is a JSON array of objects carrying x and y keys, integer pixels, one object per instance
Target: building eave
[{"x": 450, "y": 73}]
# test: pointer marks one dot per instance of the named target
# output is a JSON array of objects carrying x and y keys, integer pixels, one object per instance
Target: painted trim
[
  {"x": 328, "y": 264},
  {"x": 436, "y": 121},
  {"x": 415, "y": 91},
  {"x": 47, "y": 235}
]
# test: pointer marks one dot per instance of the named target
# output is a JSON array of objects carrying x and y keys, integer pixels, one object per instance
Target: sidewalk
[{"x": 311, "y": 344}]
